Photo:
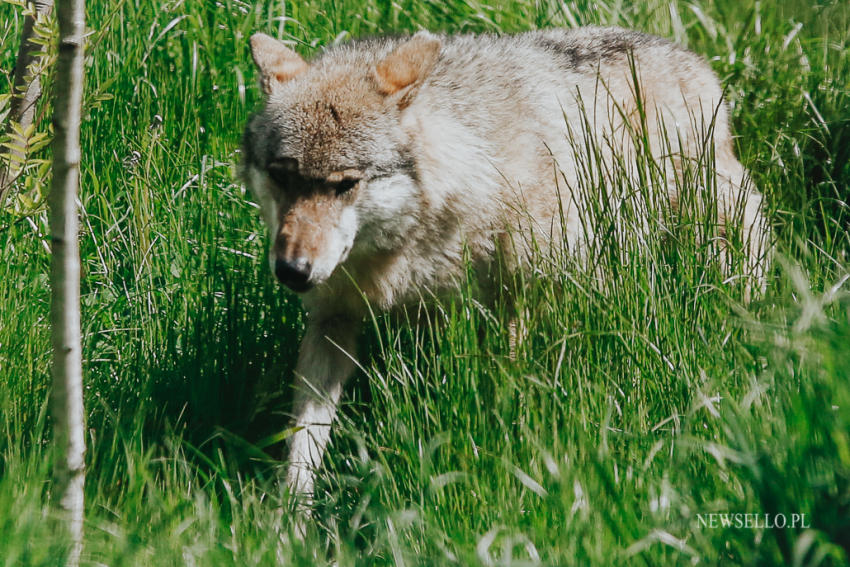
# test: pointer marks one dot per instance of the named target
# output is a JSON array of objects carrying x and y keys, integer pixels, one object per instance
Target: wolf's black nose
[{"x": 294, "y": 274}]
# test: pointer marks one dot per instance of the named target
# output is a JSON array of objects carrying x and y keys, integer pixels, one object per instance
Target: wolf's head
[{"x": 327, "y": 157}]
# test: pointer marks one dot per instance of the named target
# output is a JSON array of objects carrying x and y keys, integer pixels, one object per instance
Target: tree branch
[{"x": 26, "y": 90}]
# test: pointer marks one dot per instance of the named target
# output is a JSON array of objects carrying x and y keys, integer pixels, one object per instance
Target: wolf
[{"x": 384, "y": 166}]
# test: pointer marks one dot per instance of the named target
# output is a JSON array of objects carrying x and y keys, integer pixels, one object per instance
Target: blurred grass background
[{"x": 634, "y": 405}]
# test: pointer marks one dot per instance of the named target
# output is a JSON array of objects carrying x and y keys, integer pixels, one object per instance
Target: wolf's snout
[{"x": 294, "y": 274}]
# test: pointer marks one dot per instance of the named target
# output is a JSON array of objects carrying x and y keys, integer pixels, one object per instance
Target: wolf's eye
[
  {"x": 345, "y": 186},
  {"x": 279, "y": 176},
  {"x": 281, "y": 171}
]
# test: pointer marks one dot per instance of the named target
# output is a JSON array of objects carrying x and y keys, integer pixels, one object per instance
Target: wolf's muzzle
[{"x": 294, "y": 274}]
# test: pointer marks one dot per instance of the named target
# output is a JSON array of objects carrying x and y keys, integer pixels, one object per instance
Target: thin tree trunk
[
  {"x": 26, "y": 90},
  {"x": 65, "y": 274}
]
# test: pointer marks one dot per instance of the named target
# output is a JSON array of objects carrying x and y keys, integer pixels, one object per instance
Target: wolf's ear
[
  {"x": 400, "y": 73},
  {"x": 276, "y": 62}
]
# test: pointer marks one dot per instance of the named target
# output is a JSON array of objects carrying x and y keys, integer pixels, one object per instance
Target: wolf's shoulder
[{"x": 573, "y": 46}]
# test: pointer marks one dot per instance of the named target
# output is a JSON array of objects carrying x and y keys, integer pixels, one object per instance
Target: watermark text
[{"x": 751, "y": 521}]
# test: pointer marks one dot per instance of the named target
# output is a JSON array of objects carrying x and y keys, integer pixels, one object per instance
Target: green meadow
[{"x": 646, "y": 402}]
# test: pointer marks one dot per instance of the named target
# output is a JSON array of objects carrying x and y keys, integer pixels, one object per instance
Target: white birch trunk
[{"x": 67, "y": 400}]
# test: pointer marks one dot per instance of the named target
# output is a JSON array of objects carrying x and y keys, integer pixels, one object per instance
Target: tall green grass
[{"x": 635, "y": 401}]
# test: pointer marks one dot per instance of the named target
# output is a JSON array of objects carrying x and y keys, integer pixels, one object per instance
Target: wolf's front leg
[{"x": 324, "y": 364}]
